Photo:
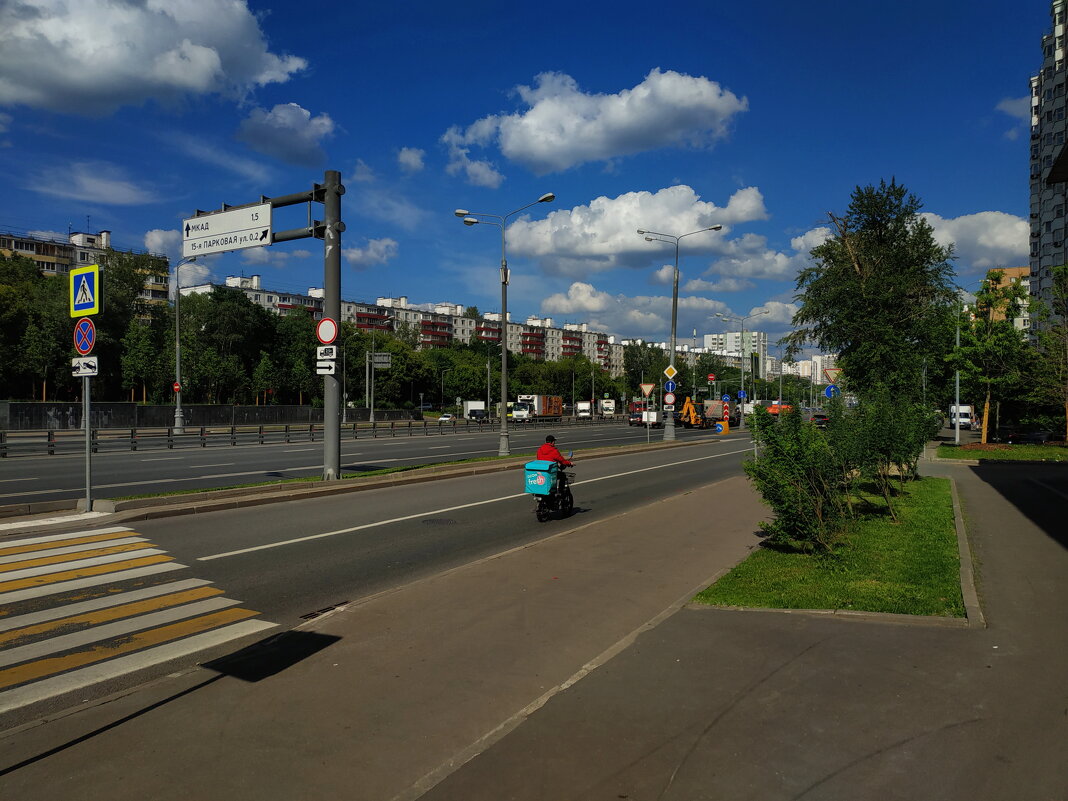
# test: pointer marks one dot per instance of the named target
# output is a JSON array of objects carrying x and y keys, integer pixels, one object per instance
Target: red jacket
[{"x": 549, "y": 453}]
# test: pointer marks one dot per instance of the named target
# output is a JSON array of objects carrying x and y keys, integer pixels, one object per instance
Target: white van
[{"x": 964, "y": 413}]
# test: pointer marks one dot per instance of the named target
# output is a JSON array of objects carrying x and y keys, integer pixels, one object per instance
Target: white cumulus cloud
[
  {"x": 411, "y": 159},
  {"x": 92, "y": 181},
  {"x": 377, "y": 251},
  {"x": 273, "y": 256},
  {"x": 162, "y": 241},
  {"x": 984, "y": 240},
  {"x": 603, "y": 234},
  {"x": 92, "y": 56},
  {"x": 287, "y": 132},
  {"x": 647, "y": 316},
  {"x": 562, "y": 126}
]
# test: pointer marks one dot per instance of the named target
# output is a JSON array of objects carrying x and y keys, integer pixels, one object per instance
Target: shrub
[{"x": 799, "y": 477}]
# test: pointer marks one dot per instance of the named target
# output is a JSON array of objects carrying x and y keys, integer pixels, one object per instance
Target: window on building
[{"x": 1058, "y": 114}]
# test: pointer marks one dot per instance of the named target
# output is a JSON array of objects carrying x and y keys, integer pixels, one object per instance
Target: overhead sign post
[
  {"x": 251, "y": 225},
  {"x": 223, "y": 231}
]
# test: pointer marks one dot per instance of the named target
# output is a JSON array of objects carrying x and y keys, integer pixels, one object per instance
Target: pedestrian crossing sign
[{"x": 85, "y": 290}]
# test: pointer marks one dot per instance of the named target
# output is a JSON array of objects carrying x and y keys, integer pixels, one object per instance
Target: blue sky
[{"x": 758, "y": 117}]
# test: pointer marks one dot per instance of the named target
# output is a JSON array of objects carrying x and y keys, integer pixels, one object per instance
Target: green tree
[
  {"x": 993, "y": 355},
  {"x": 140, "y": 358},
  {"x": 878, "y": 293}
]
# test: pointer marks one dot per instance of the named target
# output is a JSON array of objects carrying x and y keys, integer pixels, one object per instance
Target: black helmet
[{"x": 550, "y": 438}]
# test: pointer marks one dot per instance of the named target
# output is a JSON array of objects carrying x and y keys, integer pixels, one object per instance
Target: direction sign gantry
[{"x": 223, "y": 231}]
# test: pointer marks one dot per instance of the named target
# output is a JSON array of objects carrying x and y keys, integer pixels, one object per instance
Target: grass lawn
[
  {"x": 996, "y": 451},
  {"x": 910, "y": 567}
]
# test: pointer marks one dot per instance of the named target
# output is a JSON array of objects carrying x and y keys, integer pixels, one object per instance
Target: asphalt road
[
  {"x": 284, "y": 562},
  {"x": 124, "y": 473}
]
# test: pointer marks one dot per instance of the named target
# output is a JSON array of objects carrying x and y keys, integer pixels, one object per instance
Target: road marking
[
  {"x": 43, "y": 668},
  {"x": 63, "y": 555},
  {"x": 90, "y": 581},
  {"x": 218, "y": 464},
  {"x": 34, "y": 618},
  {"x": 47, "y": 688},
  {"x": 438, "y": 447},
  {"x": 378, "y": 523},
  {"x": 25, "y": 553},
  {"x": 164, "y": 459},
  {"x": 107, "y": 631},
  {"x": 18, "y": 571},
  {"x": 93, "y": 570},
  {"x": 299, "y": 450},
  {"x": 9, "y": 480},
  {"x": 61, "y": 540}
]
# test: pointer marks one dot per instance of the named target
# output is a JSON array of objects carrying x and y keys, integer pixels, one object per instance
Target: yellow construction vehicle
[{"x": 690, "y": 417}]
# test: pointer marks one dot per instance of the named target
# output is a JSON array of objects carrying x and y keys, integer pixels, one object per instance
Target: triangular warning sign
[{"x": 85, "y": 294}]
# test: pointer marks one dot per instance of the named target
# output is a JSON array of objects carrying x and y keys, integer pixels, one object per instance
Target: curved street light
[
  {"x": 501, "y": 221},
  {"x": 179, "y": 417},
  {"x": 672, "y": 239},
  {"x": 741, "y": 347}
]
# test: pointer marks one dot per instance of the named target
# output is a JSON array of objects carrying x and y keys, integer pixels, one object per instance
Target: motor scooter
[{"x": 550, "y": 497}]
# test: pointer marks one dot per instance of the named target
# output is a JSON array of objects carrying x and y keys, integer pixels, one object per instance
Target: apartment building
[
  {"x": 735, "y": 342},
  {"x": 1014, "y": 275},
  {"x": 1049, "y": 160},
  {"x": 56, "y": 255},
  {"x": 440, "y": 324}
]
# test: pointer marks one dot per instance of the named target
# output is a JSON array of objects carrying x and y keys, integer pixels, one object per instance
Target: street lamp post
[
  {"x": 672, "y": 239},
  {"x": 475, "y": 218},
  {"x": 741, "y": 347},
  {"x": 179, "y": 417}
]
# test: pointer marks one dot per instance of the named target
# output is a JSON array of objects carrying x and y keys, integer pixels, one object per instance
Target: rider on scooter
[{"x": 549, "y": 453}]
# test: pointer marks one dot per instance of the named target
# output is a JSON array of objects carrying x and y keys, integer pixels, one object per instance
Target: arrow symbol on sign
[
  {"x": 187, "y": 230},
  {"x": 263, "y": 234}
]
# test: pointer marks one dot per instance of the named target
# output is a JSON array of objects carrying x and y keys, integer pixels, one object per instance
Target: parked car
[
  {"x": 634, "y": 419},
  {"x": 446, "y": 418}
]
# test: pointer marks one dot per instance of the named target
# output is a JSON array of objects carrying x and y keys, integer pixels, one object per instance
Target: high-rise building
[{"x": 1049, "y": 159}]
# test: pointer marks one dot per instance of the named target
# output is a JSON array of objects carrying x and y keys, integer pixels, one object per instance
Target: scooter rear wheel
[
  {"x": 567, "y": 502},
  {"x": 541, "y": 511}
]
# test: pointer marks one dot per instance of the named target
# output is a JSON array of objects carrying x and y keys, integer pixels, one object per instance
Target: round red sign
[
  {"x": 326, "y": 330},
  {"x": 711, "y": 376},
  {"x": 177, "y": 387}
]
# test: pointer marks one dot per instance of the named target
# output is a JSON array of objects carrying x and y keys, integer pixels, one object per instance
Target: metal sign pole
[
  {"x": 87, "y": 425},
  {"x": 332, "y": 191}
]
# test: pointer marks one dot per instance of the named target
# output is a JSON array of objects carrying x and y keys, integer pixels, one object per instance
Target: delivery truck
[
  {"x": 543, "y": 407},
  {"x": 474, "y": 409}
]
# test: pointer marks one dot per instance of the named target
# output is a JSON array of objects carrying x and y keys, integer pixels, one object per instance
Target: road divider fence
[{"x": 53, "y": 442}]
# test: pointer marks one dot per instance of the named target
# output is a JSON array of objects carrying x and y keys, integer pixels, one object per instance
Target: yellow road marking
[
  {"x": 71, "y": 557},
  {"x": 98, "y": 616},
  {"x": 82, "y": 572},
  {"x": 41, "y": 668},
  {"x": 43, "y": 546}
]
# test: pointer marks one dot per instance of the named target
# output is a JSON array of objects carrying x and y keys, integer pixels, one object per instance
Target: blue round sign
[
  {"x": 670, "y": 386},
  {"x": 725, "y": 398},
  {"x": 742, "y": 395},
  {"x": 831, "y": 391},
  {"x": 84, "y": 336},
  {"x": 719, "y": 428}
]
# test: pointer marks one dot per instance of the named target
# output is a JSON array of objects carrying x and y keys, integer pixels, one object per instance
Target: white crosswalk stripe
[{"x": 81, "y": 608}]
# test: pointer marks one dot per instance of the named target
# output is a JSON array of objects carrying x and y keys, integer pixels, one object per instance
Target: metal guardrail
[{"x": 53, "y": 442}]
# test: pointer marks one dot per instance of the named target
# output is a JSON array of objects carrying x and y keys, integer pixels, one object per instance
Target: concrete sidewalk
[
  {"x": 718, "y": 704},
  {"x": 397, "y": 691}
]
